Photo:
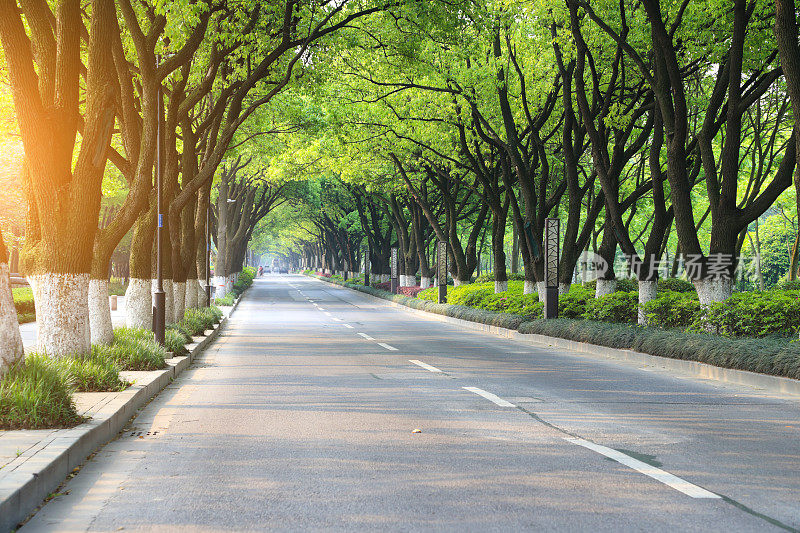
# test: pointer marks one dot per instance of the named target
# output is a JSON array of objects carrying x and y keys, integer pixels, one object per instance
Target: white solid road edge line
[
  {"x": 489, "y": 396},
  {"x": 649, "y": 470},
  {"x": 426, "y": 366},
  {"x": 366, "y": 336},
  {"x": 388, "y": 347}
]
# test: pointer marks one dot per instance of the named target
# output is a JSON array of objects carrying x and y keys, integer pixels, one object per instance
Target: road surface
[{"x": 320, "y": 408}]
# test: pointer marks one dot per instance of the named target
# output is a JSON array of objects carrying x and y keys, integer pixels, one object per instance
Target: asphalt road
[{"x": 302, "y": 416}]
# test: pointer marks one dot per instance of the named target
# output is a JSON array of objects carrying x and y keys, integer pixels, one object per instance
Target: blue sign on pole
[{"x": 160, "y": 220}]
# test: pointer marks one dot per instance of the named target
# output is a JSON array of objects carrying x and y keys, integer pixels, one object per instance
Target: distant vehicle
[
  {"x": 283, "y": 270},
  {"x": 267, "y": 270}
]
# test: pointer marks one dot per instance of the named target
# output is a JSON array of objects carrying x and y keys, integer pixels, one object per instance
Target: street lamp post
[
  {"x": 366, "y": 266},
  {"x": 551, "y": 253},
  {"x": 441, "y": 271},
  {"x": 394, "y": 270},
  {"x": 208, "y": 252},
  {"x": 159, "y": 297}
]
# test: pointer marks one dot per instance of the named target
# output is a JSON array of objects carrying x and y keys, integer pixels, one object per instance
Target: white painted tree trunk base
[
  {"x": 541, "y": 289},
  {"x": 648, "y": 290},
  {"x": 100, "y": 312},
  {"x": 139, "y": 304},
  {"x": 529, "y": 287},
  {"x": 563, "y": 288},
  {"x": 62, "y": 313},
  {"x": 713, "y": 290},
  {"x": 178, "y": 300},
  {"x": 11, "y": 349},
  {"x": 605, "y": 286},
  {"x": 459, "y": 282},
  {"x": 192, "y": 293},
  {"x": 500, "y": 286},
  {"x": 425, "y": 283},
  {"x": 201, "y": 294},
  {"x": 221, "y": 285},
  {"x": 169, "y": 299}
]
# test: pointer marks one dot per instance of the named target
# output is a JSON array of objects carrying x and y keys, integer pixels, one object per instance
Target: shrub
[
  {"x": 573, "y": 304},
  {"x": 117, "y": 286},
  {"x": 431, "y": 294},
  {"x": 226, "y": 300},
  {"x": 675, "y": 285},
  {"x": 489, "y": 276},
  {"x": 23, "y": 301},
  {"x": 93, "y": 372},
  {"x": 767, "y": 355},
  {"x": 753, "y": 314},
  {"x": 623, "y": 285},
  {"x": 175, "y": 341},
  {"x": 410, "y": 291},
  {"x": 384, "y": 286},
  {"x": 37, "y": 394},
  {"x": 615, "y": 307},
  {"x": 672, "y": 309},
  {"x": 786, "y": 285},
  {"x": 469, "y": 294},
  {"x": 135, "y": 349}
]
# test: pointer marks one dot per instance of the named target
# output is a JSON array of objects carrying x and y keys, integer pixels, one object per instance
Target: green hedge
[
  {"x": 767, "y": 356},
  {"x": 23, "y": 301}
]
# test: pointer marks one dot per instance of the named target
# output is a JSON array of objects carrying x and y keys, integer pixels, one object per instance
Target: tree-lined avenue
[{"x": 292, "y": 421}]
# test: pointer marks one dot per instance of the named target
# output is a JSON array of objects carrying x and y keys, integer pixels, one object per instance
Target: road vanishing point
[{"x": 323, "y": 409}]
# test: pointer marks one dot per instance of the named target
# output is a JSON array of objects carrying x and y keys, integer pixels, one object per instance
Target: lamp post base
[{"x": 159, "y": 315}]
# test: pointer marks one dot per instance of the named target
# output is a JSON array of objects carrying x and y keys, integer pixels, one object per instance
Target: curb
[
  {"x": 696, "y": 369},
  {"x": 28, "y": 480}
]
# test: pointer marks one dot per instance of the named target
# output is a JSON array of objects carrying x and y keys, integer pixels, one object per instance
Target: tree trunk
[
  {"x": 139, "y": 296},
  {"x": 100, "y": 312},
  {"x": 11, "y": 349}
]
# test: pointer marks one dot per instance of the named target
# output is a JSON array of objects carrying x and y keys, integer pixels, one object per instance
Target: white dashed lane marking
[
  {"x": 489, "y": 396},
  {"x": 387, "y": 346},
  {"x": 366, "y": 336},
  {"x": 666, "y": 478},
  {"x": 426, "y": 366}
]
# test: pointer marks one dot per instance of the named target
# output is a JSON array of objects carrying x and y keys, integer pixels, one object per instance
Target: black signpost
[
  {"x": 395, "y": 267},
  {"x": 441, "y": 270},
  {"x": 551, "y": 250},
  {"x": 366, "y": 267}
]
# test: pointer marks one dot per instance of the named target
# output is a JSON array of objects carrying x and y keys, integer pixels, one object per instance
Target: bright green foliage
[
  {"x": 753, "y": 314},
  {"x": 135, "y": 349},
  {"x": 36, "y": 393},
  {"x": 469, "y": 294},
  {"x": 675, "y": 285},
  {"x": 573, "y": 304},
  {"x": 175, "y": 341},
  {"x": 672, "y": 309},
  {"x": 23, "y": 301},
  {"x": 615, "y": 307},
  {"x": 623, "y": 285},
  {"x": 489, "y": 276},
  {"x": 226, "y": 300},
  {"x": 97, "y": 371},
  {"x": 245, "y": 280}
]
